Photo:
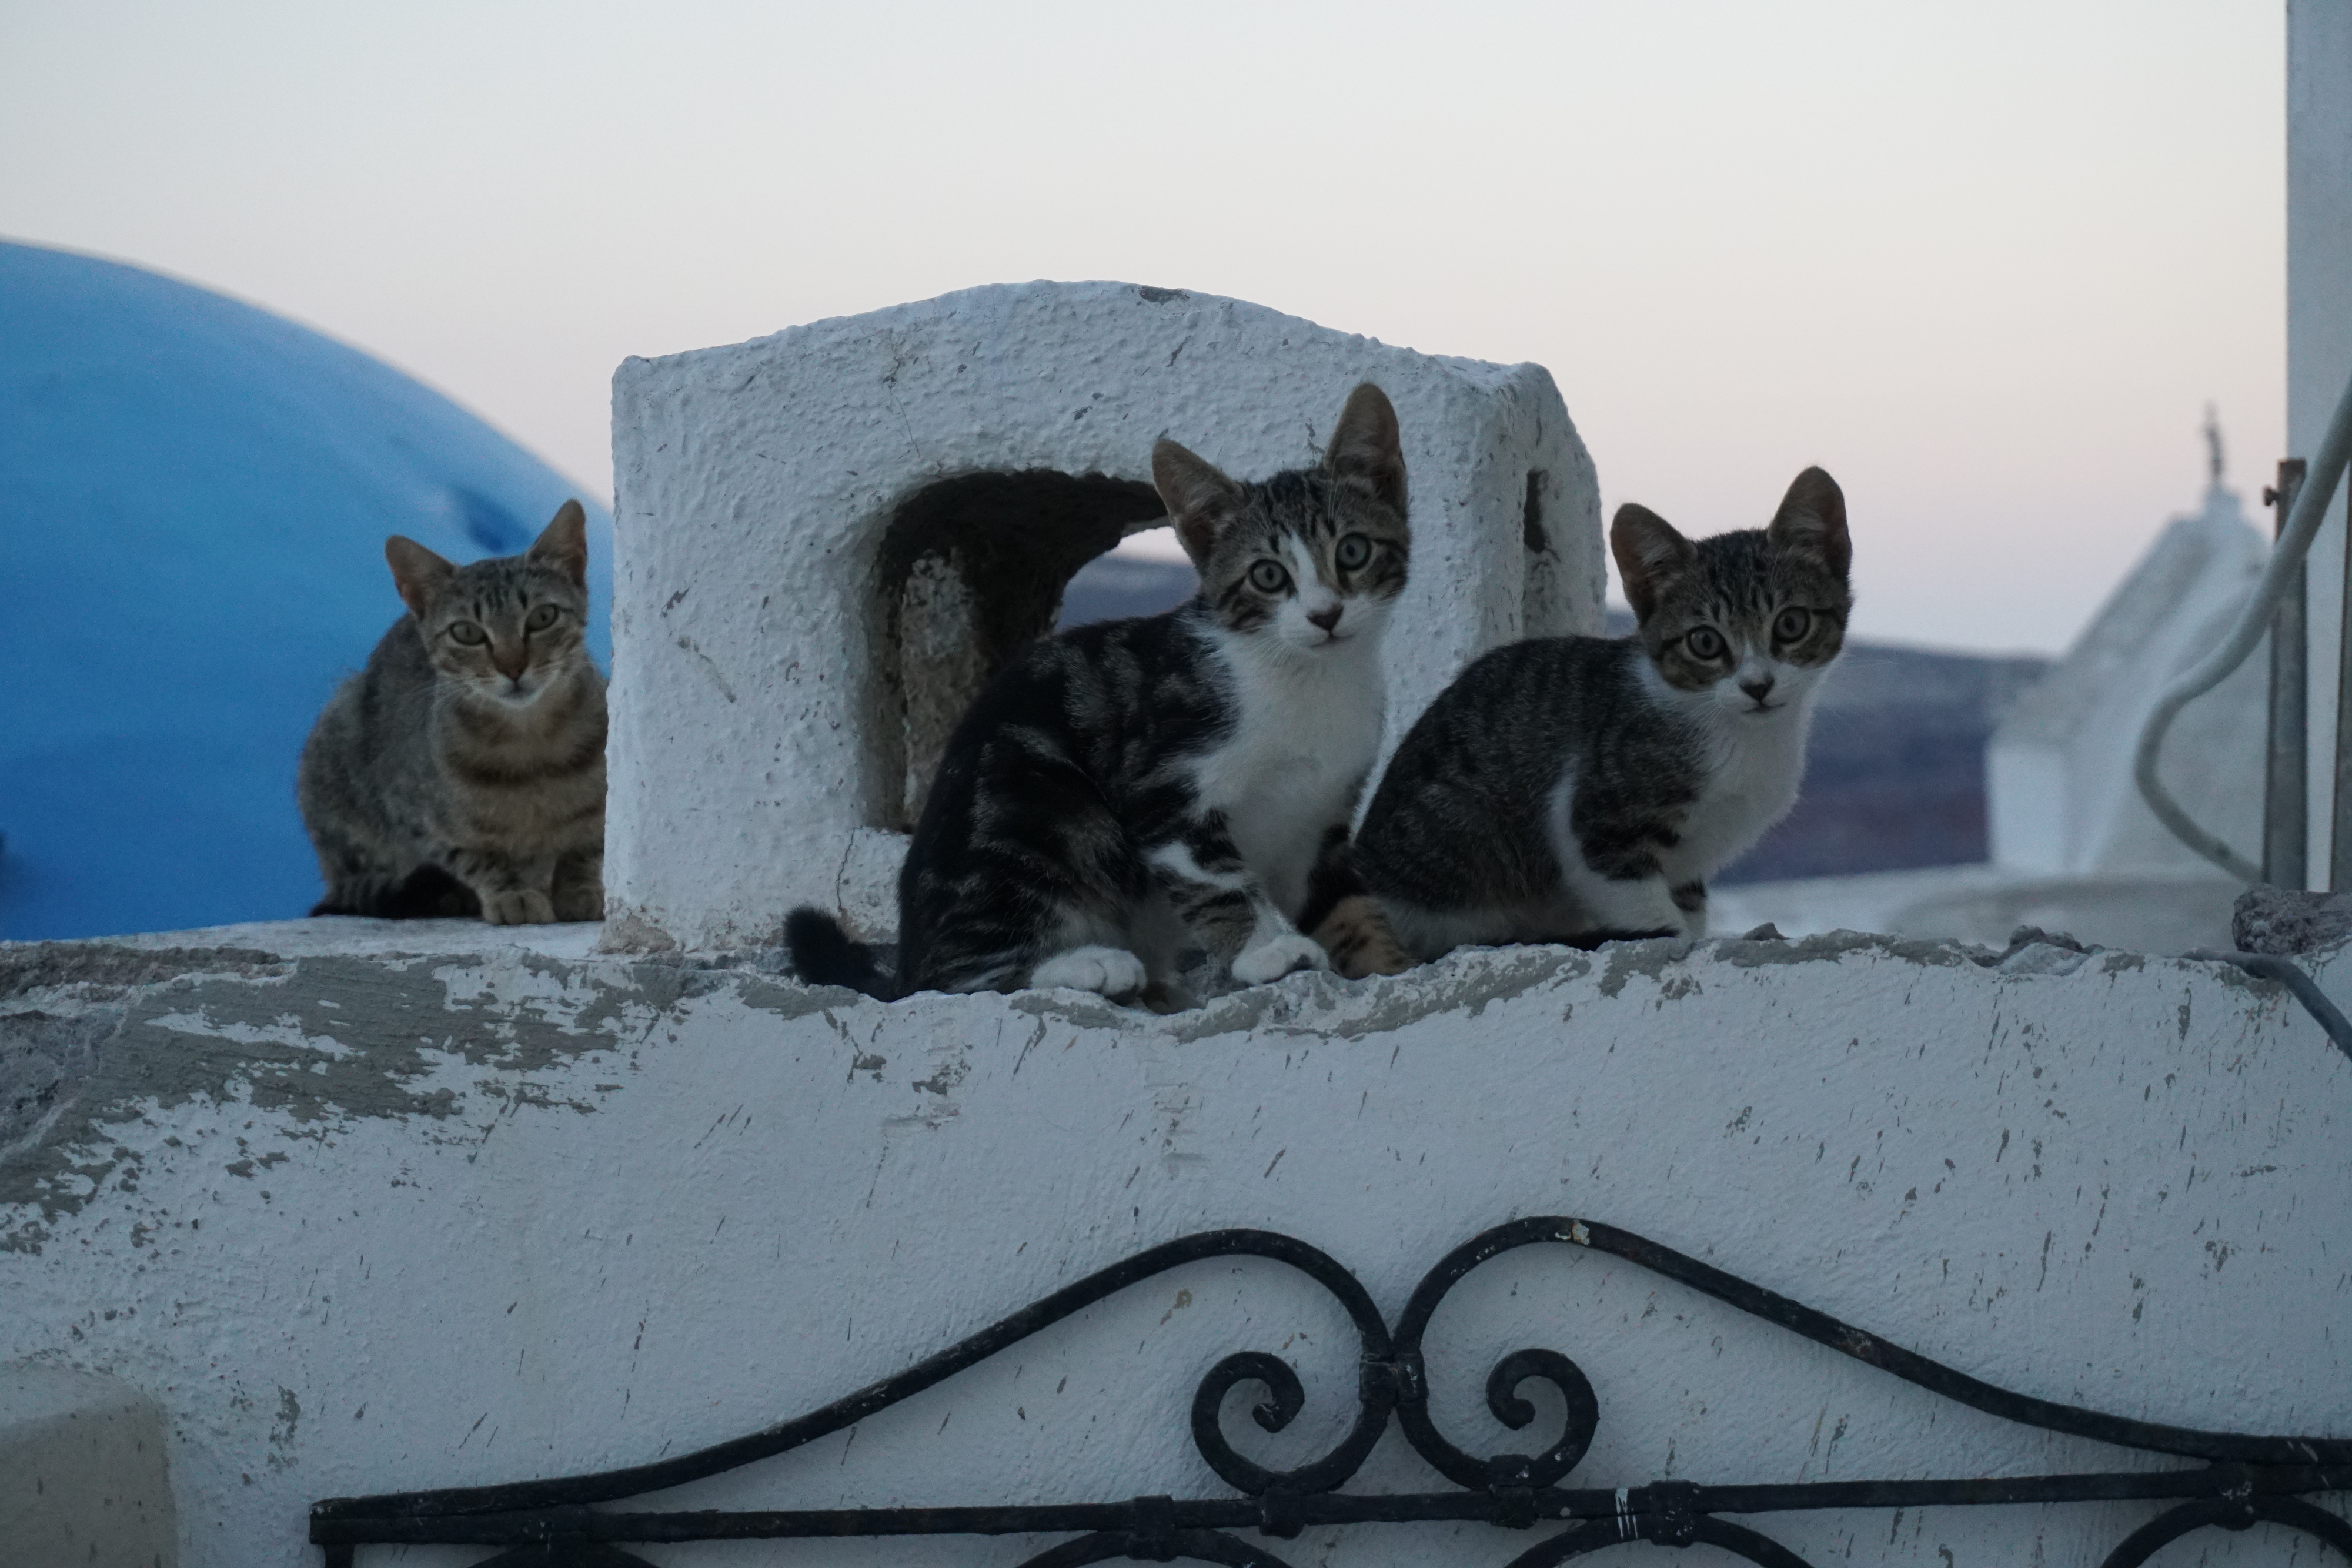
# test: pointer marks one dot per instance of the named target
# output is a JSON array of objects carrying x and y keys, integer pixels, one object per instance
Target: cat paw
[
  {"x": 1105, "y": 971},
  {"x": 580, "y": 904},
  {"x": 1277, "y": 957},
  {"x": 1359, "y": 940},
  {"x": 1382, "y": 957},
  {"x": 517, "y": 906}
]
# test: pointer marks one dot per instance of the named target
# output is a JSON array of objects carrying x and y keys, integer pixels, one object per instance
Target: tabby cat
[
  {"x": 1124, "y": 791},
  {"x": 462, "y": 772},
  {"x": 1575, "y": 790}
]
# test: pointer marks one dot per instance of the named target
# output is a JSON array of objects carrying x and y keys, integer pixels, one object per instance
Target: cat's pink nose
[{"x": 1327, "y": 617}]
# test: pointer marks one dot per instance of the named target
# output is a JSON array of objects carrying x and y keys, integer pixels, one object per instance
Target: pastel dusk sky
[{"x": 1986, "y": 262}]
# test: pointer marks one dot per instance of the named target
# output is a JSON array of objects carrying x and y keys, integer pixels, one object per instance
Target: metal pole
[
  {"x": 2246, "y": 632},
  {"x": 2286, "y": 803},
  {"x": 2339, "y": 850}
]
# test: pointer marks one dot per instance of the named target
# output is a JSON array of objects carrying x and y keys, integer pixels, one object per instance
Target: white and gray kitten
[
  {"x": 462, "y": 771},
  {"x": 1576, "y": 789},
  {"x": 1130, "y": 789}
]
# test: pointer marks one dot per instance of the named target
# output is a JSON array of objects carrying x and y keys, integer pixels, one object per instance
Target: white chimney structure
[{"x": 829, "y": 539}]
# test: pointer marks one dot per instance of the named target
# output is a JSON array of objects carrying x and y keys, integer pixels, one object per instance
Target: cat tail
[{"x": 824, "y": 955}]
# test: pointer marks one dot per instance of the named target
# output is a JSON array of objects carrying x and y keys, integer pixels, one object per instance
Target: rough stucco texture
[
  {"x": 364, "y": 1222},
  {"x": 754, "y": 484}
]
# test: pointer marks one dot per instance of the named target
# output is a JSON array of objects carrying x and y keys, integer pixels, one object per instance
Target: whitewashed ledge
[{"x": 368, "y": 1207}]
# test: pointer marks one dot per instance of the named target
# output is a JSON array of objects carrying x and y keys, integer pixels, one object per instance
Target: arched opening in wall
[{"x": 971, "y": 571}]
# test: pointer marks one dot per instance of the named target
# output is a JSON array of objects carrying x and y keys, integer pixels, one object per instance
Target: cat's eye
[
  {"x": 1354, "y": 550},
  {"x": 467, "y": 634},
  {"x": 1703, "y": 642},
  {"x": 541, "y": 618},
  {"x": 1792, "y": 625},
  {"x": 1269, "y": 577}
]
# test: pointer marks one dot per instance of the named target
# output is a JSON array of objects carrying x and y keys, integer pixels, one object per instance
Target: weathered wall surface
[
  {"x": 755, "y": 482},
  {"x": 364, "y": 1222}
]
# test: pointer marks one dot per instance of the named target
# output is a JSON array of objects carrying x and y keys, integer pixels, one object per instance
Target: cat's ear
[
  {"x": 563, "y": 543},
  {"x": 1368, "y": 448},
  {"x": 417, "y": 572},
  {"x": 1812, "y": 521},
  {"x": 1201, "y": 501},
  {"x": 1650, "y": 556}
]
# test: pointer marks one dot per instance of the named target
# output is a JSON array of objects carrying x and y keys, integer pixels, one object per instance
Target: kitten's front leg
[
  {"x": 1608, "y": 852},
  {"x": 577, "y": 890},
  {"x": 1625, "y": 907},
  {"x": 1107, "y": 971},
  {"x": 513, "y": 892},
  {"x": 1215, "y": 895},
  {"x": 1690, "y": 897}
]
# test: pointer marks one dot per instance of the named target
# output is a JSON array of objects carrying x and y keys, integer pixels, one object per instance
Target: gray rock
[
  {"x": 2288, "y": 920},
  {"x": 2035, "y": 936},
  {"x": 2043, "y": 958}
]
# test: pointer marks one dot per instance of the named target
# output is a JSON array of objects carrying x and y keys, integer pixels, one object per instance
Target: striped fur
[
  {"x": 462, "y": 772},
  {"x": 1128, "y": 790},
  {"x": 1575, "y": 790}
]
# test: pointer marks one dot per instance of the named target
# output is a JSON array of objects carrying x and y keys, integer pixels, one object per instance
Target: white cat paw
[
  {"x": 517, "y": 906},
  {"x": 1279, "y": 956},
  {"x": 1105, "y": 971}
]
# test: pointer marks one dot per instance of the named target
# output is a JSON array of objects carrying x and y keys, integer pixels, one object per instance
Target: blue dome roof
[{"x": 194, "y": 500}]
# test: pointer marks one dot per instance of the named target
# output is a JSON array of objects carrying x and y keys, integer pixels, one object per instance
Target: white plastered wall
[
  {"x": 754, "y": 483},
  {"x": 2059, "y": 769},
  {"x": 435, "y": 1208}
]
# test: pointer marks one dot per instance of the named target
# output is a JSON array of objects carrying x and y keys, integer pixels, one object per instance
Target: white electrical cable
[{"x": 2302, "y": 524}]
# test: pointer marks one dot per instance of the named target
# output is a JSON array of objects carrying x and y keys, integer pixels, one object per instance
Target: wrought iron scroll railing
[{"x": 2239, "y": 1480}]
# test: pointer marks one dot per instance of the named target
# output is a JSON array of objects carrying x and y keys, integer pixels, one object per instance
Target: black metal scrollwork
[
  {"x": 1502, "y": 1470},
  {"x": 2244, "y": 1479}
]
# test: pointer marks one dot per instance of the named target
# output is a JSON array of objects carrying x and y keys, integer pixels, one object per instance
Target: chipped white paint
[
  {"x": 362, "y": 1222},
  {"x": 754, "y": 483}
]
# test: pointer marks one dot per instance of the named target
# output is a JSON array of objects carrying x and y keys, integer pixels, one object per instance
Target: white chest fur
[
  {"x": 1755, "y": 763},
  {"x": 1307, "y": 728}
]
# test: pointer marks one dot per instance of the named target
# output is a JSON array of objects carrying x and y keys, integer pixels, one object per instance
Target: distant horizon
[
  {"x": 1987, "y": 264},
  {"x": 1159, "y": 546}
]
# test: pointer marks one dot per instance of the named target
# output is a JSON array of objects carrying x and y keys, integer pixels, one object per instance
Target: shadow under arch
[{"x": 970, "y": 572}]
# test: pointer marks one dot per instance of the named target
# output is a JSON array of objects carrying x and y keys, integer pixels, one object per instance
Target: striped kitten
[
  {"x": 1574, "y": 790},
  {"x": 1126, "y": 790},
  {"x": 462, "y": 772}
]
